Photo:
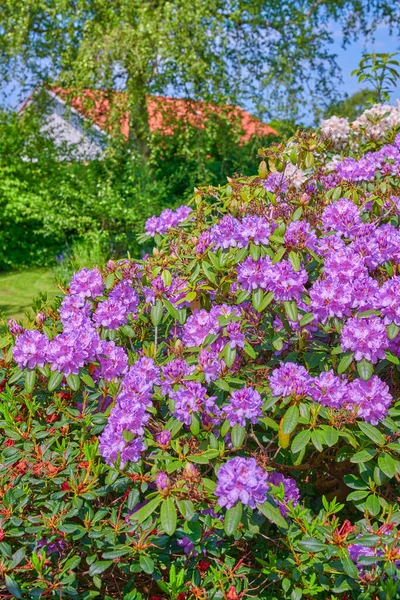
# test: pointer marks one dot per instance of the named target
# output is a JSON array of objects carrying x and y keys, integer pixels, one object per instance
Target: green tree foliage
[
  {"x": 52, "y": 205},
  {"x": 261, "y": 52},
  {"x": 352, "y": 106}
]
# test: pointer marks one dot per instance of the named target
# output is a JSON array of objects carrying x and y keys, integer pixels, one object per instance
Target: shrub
[{"x": 221, "y": 418}]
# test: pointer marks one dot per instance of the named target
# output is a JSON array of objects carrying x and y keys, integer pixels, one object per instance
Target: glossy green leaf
[
  {"x": 168, "y": 516},
  {"x": 237, "y": 436},
  {"x": 290, "y": 420},
  {"x": 345, "y": 362},
  {"x": 73, "y": 382},
  {"x": 143, "y": 513},
  {"x": 372, "y": 432},
  {"x": 273, "y": 514},
  {"x": 300, "y": 440},
  {"x": 54, "y": 380},
  {"x": 232, "y": 518},
  {"x": 365, "y": 369},
  {"x": 387, "y": 464}
]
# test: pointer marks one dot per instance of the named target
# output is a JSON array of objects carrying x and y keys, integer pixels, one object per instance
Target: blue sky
[{"x": 349, "y": 58}]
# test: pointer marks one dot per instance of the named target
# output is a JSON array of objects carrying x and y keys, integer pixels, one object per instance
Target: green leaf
[
  {"x": 392, "y": 331},
  {"x": 295, "y": 260},
  {"x": 232, "y": 518},
  {"x": 30, "y": 378},
  {"x": 146, "y": 564},
  {"x": 256, "y": 298},
  {"x": 297, "y": 213},
  {"x": 273, "y": 514},
  {"x": 249, "y": 350},
  {"x": 350, "y": 568},
  {"x": 365, "y": 369},
  {"x": 99, "y": 567},
  {"x": 143, "y": 513},
  {"x": 237, "y": 436},
  {"x": 166, "y": 277},
  {"x": 12, "y": 586},
  {"x": 392, "y": 357},
  {"x": 309, "y": 160},
  {"x": 156, "y": 313},
  {"x": 195, "y": 424},
  {"x": 186, "y": 508},
  {"x": 290, "y": 420},
  {"x": 306, "y": 319},
  {"x": 387, "y": 464},
  {"x": 73, "y": 382},
  {"x": 255, "y": 252},
  {"x": 312, "y": 545},
  {"x": 208, "y": 272},
  {"x": 372, "y": 432},
  {"x": 291, "y": 310},
  {"x": 363, "y": 456},
  {"x": 330, "y": 434},
  {"x": 54, "y": 380},
  {"x": 345, "y": 362},
  {"x": 168, "y": 516},
  {"x": 266, "y": 301},
  {"x": 373, "y": 505},
  {"x": 317, "y": 439},
  {"x": 171, "y": 309},
  {"x": 87, "y": 380},
  {"x": 300, "y": 440}
]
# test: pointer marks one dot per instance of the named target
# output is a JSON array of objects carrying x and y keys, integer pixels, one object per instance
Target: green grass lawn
[{"x": 18, "y": 289}]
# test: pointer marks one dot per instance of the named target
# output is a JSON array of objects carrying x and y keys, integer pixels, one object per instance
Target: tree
[
  {"x": 262, "y": 53},
  {"x": 352, "y": 106}
]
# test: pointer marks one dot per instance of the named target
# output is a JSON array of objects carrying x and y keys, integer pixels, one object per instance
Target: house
[{"x": 81, "y": 123}]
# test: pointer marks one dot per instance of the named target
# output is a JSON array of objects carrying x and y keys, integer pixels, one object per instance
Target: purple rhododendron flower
[
  {"x": 300, "y": 235},
  {"x": 343, "y": 217},
  {"x": 389, "y": 301},
  {"x": 210, "y": 364},
  {"x": 253, "y": 274},
  {"x": 167, "y": 220},
  {"x": 243, "y": 404},
  {"x": 110, "y": 314},
  {"x": 367, "y": 338},
  {"x": 31, "y": 349},
  {"x": 204, "y": 242},
  {"x": 113, "y": 361},
  {"x": 254, "y": 229},
  {"x": 287, "y": 284},
  {"x": 70, "y": 351},
  {"x": 125, "y": 295},
  {"x": 290, "y": 379},
  {"x": 173, "y": 373},
  {"x": 292, "y": 493},
  {"x": 227, "y": 233},
  {"x": 87, "y": 283},
  {"x": 329, "y": 389},
  {"x": 371, "y": 398},
  {"x": 192, "y": 398},
  {"x": 198, "y": 326},
  {"x": 241, "y": 480},
  {"x": 330, "y": 298}
]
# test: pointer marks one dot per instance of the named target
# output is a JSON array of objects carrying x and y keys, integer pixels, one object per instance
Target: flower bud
[{"x": 40, "y": 318}]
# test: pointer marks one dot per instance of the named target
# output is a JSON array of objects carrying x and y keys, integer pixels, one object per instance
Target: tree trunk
[{"x": 139, "y": 130}]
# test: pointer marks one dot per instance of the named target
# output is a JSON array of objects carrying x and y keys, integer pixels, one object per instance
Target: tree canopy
[{"x": 264, "y": 54}]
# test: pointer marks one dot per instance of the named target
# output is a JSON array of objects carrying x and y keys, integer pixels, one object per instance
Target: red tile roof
[{"x": 163, "y": 112}]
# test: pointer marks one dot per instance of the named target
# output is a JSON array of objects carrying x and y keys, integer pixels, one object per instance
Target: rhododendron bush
[{"x": 221, "y": 418}]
